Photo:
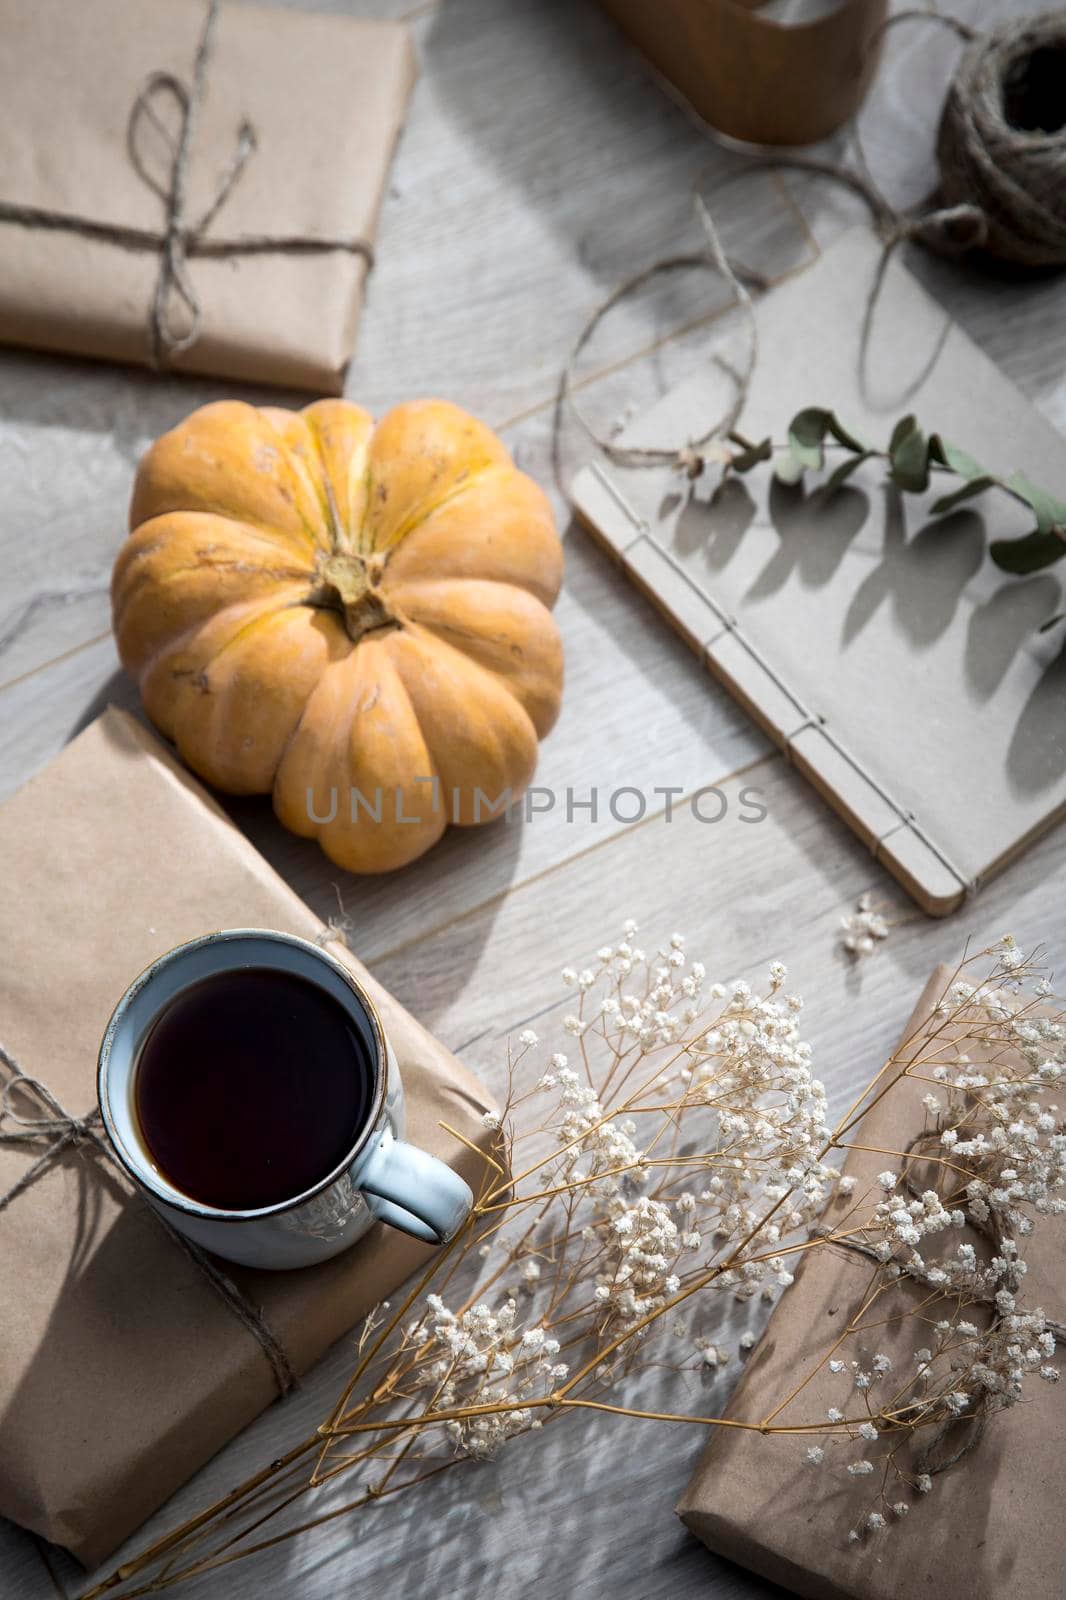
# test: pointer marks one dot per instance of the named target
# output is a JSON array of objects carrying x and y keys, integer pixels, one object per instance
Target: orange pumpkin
[{"x": 350, "y": 616}]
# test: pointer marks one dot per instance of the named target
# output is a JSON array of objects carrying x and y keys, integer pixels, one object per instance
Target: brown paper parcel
[
  {"x": 990, "y": 1527},
  {"x": 325, "y": 96},
  {"x": 121, "y": 1370}
]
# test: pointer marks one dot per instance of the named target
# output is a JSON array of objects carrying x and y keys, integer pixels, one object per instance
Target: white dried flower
[
  {"x": 656, "y": 1210},
  {"x": 864, "y": 927}
]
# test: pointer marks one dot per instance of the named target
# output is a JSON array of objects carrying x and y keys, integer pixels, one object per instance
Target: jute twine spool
[{"x": 1002, "y": 141}]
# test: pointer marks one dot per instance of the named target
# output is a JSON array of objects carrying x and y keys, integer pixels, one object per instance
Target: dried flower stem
[{"x": 687, "y": 1157}]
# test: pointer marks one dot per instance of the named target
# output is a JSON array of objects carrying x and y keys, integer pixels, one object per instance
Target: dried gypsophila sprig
[
  {"x": 676, "y": 1153},
  {"x": 991, "y": 1159},
  {"x": 655, "y": 1028},
  {"x": 632, "y": 1218},
  {"x": 865, "y": 927}
]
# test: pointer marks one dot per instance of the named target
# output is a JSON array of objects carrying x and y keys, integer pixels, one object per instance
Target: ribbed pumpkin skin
[{"x": 314, "y": 604}]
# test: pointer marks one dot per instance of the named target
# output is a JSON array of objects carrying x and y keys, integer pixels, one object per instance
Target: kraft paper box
[
  {"x": 324, "y": 97},
  {"x": 121, "y": 1370},
  {"x": 991, "y": 1525}
]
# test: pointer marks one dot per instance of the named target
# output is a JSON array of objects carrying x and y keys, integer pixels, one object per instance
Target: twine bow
[
  {"x": 30, "y": 1113},
  {"x": 50, "y": 1125},
  {"x": 173, "y": 275},
  {"x": 172, "y": 329}
]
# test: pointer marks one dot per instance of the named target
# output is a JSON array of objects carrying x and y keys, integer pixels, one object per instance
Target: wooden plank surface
[{"x": 541, "y": 165}]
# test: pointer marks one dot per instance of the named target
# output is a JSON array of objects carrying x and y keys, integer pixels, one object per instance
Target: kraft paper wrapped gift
[
  {"x": 121, "y": 1369},
  {"x": 323, "y": 98},
  {"x": 990, "y": 1527}
]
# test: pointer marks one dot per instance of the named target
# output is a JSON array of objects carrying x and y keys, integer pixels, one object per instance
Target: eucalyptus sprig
[{"x": 913, "y": 457}]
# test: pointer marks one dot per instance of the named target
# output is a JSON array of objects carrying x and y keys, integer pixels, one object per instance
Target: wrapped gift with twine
[
  {"x": 986, "y": 1525},
  {"x": 196, "y": 186},
  {"x": 127, "y": 1356}
]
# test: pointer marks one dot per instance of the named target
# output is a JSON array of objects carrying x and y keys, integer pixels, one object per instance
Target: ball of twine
[{"x": 1002, "y": 140}]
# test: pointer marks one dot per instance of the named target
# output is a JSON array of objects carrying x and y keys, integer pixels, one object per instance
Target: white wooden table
[{"x": 541, "y": 164}]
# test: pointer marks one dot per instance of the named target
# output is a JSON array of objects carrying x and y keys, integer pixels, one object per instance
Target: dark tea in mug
[{"x": 251, "y": 1087}]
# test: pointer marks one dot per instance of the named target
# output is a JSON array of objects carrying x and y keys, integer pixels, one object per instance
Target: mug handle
[{"x": 413, "y": 1191}]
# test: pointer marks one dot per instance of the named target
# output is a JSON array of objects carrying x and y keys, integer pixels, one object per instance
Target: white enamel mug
[{"x": 380, "y": 1178}]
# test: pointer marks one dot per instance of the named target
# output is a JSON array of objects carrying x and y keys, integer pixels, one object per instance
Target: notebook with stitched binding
[{"x": 879, "y": 646}]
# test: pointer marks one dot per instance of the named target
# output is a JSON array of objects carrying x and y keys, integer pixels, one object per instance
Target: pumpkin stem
[{"x": 346, "y": 586}]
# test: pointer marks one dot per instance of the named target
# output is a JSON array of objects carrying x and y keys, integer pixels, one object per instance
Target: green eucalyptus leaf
[
  {"x": 788, "y": 468},
  {"x": 1050, "y": 513},
  {"x": 843, "y": 472},
  {"x": 845, "y": 436},
  {"x": 806, "y": 435},
  {"x": 948, "y": 502},
  {"x": 751, "y": 454},
  {"x": 1029, "y": 553},
  {"x": 810, "y": 426},
  {"x": 909, "y": 453},
  {"x": 806, "y": 444},
  {"x": 962, "y": 464},
  {"x": 905, "y": 426}
]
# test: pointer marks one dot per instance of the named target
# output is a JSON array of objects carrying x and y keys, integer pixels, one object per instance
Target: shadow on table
[
  {"x": 132, "y": 405},
  {"x": 582, "y": 1507},
  {"x": 587, "y": 131}
]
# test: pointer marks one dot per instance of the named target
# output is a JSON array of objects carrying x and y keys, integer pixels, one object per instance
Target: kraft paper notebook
[{"x": 878, "y": 645}]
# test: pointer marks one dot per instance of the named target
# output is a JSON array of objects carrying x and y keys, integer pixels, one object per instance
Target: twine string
[
  {"x": 52, "y": 1126},
  {"x": 173, "y": 272},
  {"x": 1002, "y": 190},
  {"x": 175, "y": 318},
  {"x": 686, "y": 456},
  {"x": 31, "y": 1114}
]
